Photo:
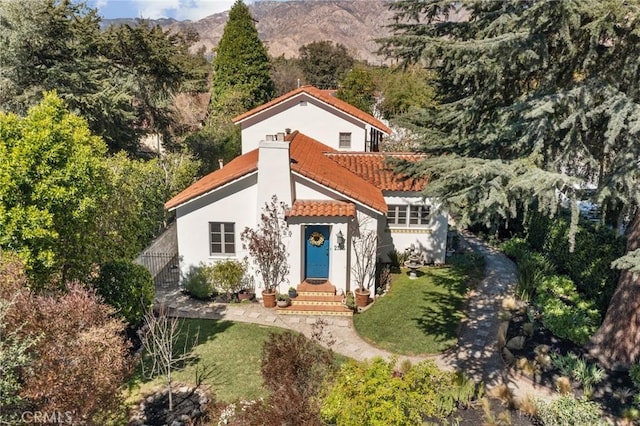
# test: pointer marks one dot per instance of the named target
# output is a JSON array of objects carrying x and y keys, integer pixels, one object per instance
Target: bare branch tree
[
  {"x": 266, "y": 246},
  {"x": 159, "y": 335},
  {"x": 365, "y": 246}
]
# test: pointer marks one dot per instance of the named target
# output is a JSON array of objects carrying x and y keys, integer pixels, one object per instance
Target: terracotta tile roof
[
  {"x": 235, "y": 169},
  {"x": 373, "y": 167},
  {"x": 325, "y": 96},
  {"x": 309, "y": 160},
  {"x": 322, "y": 208}
]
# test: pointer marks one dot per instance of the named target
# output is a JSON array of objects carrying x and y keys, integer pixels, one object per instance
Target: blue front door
[{"x": 317, "y": 251}]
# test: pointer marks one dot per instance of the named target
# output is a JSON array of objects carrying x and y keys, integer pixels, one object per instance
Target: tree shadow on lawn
[
  {"x": 441, "y": 316},
  {"x": 442, "y": 312},
  {"x": 192, "y": 335}
]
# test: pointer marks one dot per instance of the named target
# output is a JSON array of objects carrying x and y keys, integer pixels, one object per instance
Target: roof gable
[
  {"x": 236, "y": 168},
  {"x": 373, "y": 167},
  {"x": 324, "y": 96},
  {"x": 310, "y": 161},
  {"x": 307, "y": 159}
]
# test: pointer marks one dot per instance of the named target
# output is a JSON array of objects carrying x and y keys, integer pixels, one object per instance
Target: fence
[{"x": 164, "y": 267}]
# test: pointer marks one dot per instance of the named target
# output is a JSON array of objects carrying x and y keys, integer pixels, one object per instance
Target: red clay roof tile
[
  {"x": 325, "y": 96},
  {"x": 309, "y": 160},
  {"x": 236, "y": 168},
  {"x": 315, "y": 208},
  {"x": 373, "y": 167}
]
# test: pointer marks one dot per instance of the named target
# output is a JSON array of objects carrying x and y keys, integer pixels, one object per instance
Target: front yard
[{"x": 421, "y": 316}]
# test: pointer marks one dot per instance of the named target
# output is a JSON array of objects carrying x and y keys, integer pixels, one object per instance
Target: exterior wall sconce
[{"x": 339, "y": 241}]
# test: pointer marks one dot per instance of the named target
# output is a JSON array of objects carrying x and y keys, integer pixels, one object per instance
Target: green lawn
[
  {"x": 230, "y": 350},
  {"x": 421, "y": 316}
]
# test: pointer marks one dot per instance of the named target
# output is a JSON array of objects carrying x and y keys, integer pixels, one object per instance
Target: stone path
[{"x": 476, "y": 352}]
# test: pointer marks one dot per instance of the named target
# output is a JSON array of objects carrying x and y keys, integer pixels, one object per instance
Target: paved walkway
[{"x": 476, "y": 352}]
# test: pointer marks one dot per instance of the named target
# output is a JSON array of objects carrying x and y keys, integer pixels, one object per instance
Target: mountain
[{"x": 285, "y": 26}]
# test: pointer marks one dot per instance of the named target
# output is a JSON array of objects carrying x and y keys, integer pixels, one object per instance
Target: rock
[
  {"x": 516, "y": 343},
  {"x": 508, "y": 356}
]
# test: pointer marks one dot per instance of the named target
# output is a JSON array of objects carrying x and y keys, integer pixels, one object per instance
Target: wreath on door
[{"x": 316, "y": 239}]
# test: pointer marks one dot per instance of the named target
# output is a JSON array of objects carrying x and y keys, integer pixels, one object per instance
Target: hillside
[{"x": 285, "y": 26}]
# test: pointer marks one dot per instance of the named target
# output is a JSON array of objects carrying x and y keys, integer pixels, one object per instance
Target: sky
[{"x": 154, "y": 9}]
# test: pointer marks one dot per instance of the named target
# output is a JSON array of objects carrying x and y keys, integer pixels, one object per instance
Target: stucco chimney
[
  {"x": 274, "y": 172},
  {"x": 220, "y": 162}
]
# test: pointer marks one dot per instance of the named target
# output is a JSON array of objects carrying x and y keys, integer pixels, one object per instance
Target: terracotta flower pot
[
  {"x": 362, "y": 298},
  {"x": 269, "y": 299},
  {"x": 246, "y": 295}
]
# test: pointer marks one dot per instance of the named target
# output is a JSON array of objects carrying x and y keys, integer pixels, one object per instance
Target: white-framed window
[
  {"x": 408, "y": 215},
  {"x": 419, "y": 215},
  {"x": 397, "y": 215},
  {"x": 345, "y": 140},
  {"x": 222, "y": 238}
]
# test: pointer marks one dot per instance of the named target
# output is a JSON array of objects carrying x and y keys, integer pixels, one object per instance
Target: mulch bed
[{"x": 607, "y": 392}]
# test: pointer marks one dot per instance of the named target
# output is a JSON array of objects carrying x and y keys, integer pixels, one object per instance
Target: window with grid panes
[
  {"x": 397, "y": 215},
  {"x": 419, "y": 215},
  {"x": 222, "y": 238},
  {"x": 345, "y": 141}
]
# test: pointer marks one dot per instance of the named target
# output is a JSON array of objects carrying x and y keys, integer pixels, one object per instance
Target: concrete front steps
[{"x": 316, "y": 299}]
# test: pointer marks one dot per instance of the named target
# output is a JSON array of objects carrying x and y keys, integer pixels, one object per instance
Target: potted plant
[
  {"x": 248, "y": 291},
  {"x": 267, "y": 249},
  {"x": 293, "y": 292},
  {"x": 283, "y": 300},
  {"x": 363, "y": 266}
]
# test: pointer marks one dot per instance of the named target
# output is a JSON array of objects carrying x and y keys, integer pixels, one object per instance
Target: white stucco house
[{"x": 295, "y": 147}]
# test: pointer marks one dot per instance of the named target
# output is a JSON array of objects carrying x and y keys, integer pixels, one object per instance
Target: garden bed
[{"x": 610, "y": 392}]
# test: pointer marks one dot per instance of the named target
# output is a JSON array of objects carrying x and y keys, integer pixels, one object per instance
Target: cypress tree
[
  {"x": 241, "y": 69},
  {"x": 539, "y": 101}
]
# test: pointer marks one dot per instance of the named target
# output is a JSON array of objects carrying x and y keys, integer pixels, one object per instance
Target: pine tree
[
  {"x": 539, "y": 100},
  {"x": 241, "y": 68}
]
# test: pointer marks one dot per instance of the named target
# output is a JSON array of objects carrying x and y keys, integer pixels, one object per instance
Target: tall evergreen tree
[
  {"x": 241, "y": 68},
  {"x": 119, "y": 80},
  {"x": 539, "y": 100}
]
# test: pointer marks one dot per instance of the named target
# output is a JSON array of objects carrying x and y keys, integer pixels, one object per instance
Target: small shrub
[
  {"x": 350, "y": 301},
  {"x": 227, "y": 275},
  {"x": 502, "y": 393},
  {"x": 198, "y": 282},
  {"x": 293, "y": 369},
  {"x": 515, "y": 248},
  {"x": 370, "y": 393},
  {"x": 527, "y": 405},
  {"x": 128, "y": 287},
  {"x": 634, "y": 374},
  {"x": 509, "y": 303},
  {"x": 564, "y": 312},
  {"x": 569, "y": 411},
  {"x": 580, "y": 370},
  {"x": 563, "y": 385}
]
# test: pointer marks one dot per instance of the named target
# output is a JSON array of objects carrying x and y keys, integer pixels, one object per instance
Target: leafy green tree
[
  {"x": 52, "y": 180},
  {"x": 358, "y": 88},
  {"x": 325, "y": 64},
  {"x": 128, "y": 287},
  {"x": 119, "y": 80},
  {"x": 241, "y": 78},
  {"x": 539, "y": 100},
  {"x": 404, "y": 89},
  {"x": 286, "y": 74},
  {"x": 133, "y": 212}
]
